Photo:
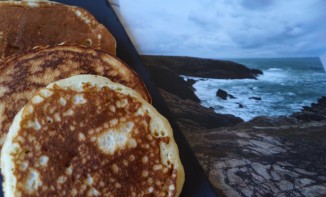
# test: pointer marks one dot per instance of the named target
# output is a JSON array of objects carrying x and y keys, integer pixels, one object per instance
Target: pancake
[
  {"x": 21, "y": 76},
  {"x": 86, "y": 135},
  {"x": 25, "y": 24}
]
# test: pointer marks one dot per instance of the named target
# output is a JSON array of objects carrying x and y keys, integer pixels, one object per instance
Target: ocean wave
[
  {"x": 274, "y": 76},
  {"x": 291, "y": 94},
  {"x": 274, "y": 69}
]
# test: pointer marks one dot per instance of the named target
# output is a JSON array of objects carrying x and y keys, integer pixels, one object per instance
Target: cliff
[{"x": 199, "y": 67}]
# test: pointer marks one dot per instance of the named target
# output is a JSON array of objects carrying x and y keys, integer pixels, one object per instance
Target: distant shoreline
[{"x": 200, "y": 67}]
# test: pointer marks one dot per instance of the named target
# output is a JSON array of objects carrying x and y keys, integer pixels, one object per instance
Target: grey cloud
[
  {"x": 257, "y": 4},
  {"x": 258, "y": 41},
  {"x": 202, "y": 22},
  {"x": 260, "y": 37}
]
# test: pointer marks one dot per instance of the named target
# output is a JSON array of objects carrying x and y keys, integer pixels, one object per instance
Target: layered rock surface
[
  {"x": 267, "y": 156},
  {"x": 250, "y": 160}
]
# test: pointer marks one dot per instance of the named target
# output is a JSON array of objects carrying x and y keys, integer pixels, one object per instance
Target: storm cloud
[{"x": 226, "y": 28}]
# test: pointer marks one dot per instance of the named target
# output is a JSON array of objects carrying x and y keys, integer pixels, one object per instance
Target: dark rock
[
  {"x": 255, "y": 98},
  {"x": 309, "y": 116},
  {"x": 198, "y": 67},
  {"x": 231, "y": 96},
  {"x": 240, "y": 105},
  {"x": 169, "y": 81},
  {"x": 266, "y": 121},
  {"x": 191, "y": 82},
  {"x": 256, "y": 72},
  {"x": 315, "y": 112},
  {"x": 322, "y": 101},
  {"x": 222, "y": 94},
  {"x": 307, "y": 108}
]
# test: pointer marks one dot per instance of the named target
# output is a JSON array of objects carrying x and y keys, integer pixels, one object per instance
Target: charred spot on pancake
[{"x": 103, "y": 143}]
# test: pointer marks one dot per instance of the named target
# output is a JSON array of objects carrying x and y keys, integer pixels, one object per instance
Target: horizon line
[{"x": 281, "y": 57}]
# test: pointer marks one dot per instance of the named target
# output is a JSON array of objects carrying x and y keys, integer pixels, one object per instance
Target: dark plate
[{"x": 196, "y": 183}]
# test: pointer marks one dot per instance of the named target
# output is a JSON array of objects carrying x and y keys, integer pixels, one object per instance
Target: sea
[{"x": 286, "y": 86}]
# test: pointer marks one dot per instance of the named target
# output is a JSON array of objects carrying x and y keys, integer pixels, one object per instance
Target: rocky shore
[{"x": 267, "y": 156}]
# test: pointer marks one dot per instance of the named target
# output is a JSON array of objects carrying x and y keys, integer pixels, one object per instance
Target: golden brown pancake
[
  {"x": 87, "y": 136},
  {"x": 22, "y": 75},
  {"x": 25, "y": 24}
]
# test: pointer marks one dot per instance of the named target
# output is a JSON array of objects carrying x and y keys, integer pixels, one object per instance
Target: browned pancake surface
[
  {"x": 63, "y": 153},
  {"x": 24, "y": 25},
  {"x": 21, "y": 76}
]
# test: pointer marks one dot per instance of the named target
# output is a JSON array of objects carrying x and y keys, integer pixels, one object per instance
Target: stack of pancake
[{"x": 74, "y": 119}]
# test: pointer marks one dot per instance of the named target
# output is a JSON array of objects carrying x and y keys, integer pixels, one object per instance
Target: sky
[{"x": 226, "y": 28}]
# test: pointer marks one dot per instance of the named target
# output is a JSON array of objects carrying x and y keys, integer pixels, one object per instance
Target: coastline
[{"x": 258, "y": 157}]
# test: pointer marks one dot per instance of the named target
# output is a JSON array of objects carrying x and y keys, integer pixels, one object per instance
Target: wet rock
[
  {"x": 261, "y": 170},
  {"x": 314, "y": 190},
  {"x": 255, "y": 98},
  {"x": 275, "y": 176},
  {"x": 231, "y": 96},
  {"x": 304, "y": 182},
  {"x": 302, "y": 171},
  {"x": 222, "y": 94},
  {"x": 285, "y": 185}
]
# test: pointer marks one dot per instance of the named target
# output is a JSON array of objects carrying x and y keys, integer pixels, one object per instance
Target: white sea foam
[{"x": 275, "y": 76}]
